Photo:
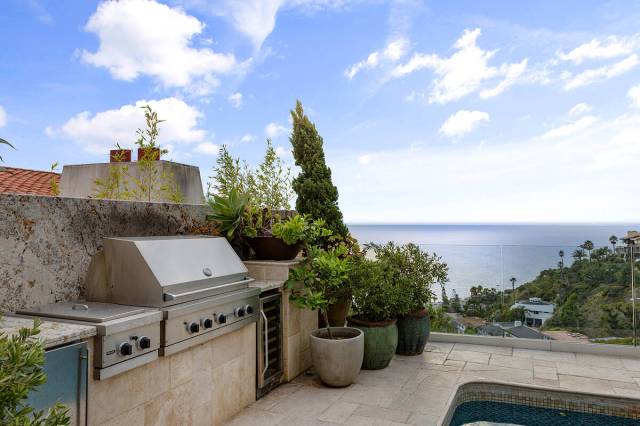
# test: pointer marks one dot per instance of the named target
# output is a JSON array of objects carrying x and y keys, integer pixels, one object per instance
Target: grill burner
[
  {"x": 198, "y": 283},
  {"x": 128, "y": 336}
]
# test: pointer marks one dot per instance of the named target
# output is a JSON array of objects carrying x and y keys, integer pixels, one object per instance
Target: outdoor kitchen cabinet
[{"x": 66, "y": 368}]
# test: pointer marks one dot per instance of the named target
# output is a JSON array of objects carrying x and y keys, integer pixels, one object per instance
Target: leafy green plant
[
  {"x": 317, "y": 282},
  {"x": 270, "y": 184},
  {"x": 151, "y": 182},
  {"x": 228, "y": 175},
  {"x": 376, "y": 297},
  {"x": 54, "y": 185},
  {"x": 21, "y": 362},
  {"x": 317, "y": 196},
  {"x": 415, "y": 271},
  {"x": 300, "y": 228}
]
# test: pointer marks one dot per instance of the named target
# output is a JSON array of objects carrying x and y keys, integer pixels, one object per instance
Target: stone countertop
[
  {"x": 51, "y": 333},
  {"x": 267, "y": 285}
]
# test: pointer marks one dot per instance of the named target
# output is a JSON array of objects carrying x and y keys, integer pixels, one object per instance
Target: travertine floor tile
[
  {"x": 479, "y": 357},
  {"x": 545, "y": 355},
  {"x": 252, "y": 416},
  {"x": 439, "y": 347},
  {"x": 338, "y": 412},
  {"x": 511, "y": 362},
  {"x": 483, "y": 348},
  {"x": 419, "y": 419},
  {"x": 400, "y": 416},
  {"x": 599, "y": 361},
  {"x": 618, "y": 374},
  {"x": 547, "y": 373}
]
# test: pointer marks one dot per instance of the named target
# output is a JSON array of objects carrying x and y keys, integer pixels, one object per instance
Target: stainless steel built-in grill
[
  {"x": 128, "y": 336},
  {"x": 199, "y": 284}
]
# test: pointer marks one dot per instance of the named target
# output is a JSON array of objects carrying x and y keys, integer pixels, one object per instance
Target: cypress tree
[{"x": 317, "y": 196}]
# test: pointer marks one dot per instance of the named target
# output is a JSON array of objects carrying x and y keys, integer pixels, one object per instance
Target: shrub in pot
[
  {"x": 376, "y": 304},
  {"x": 414, "y": 272},
  {"x": 337, "y": 352}
]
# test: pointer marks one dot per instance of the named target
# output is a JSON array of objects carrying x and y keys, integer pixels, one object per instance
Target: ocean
[{"x": 489, "y": 255}]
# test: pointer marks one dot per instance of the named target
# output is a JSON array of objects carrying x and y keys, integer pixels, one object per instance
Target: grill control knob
[
  {"x": 222, "y": 318},
  {"x": 125, "y": 349},
  {"x": 207, "y": 323},
  {"x": 193, "y": 327},
  {"x": 144, "y": 342},
  {"x": 239, "y": 312},
  {"x": 248, "y": 309}
]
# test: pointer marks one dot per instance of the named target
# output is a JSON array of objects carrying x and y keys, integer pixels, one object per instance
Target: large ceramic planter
[
  {"x": 337, "y": 361},
  {"x": 413, "y": 333},
  {"x": 272, "y": 248},
  {"x": 380, "y": 342}
]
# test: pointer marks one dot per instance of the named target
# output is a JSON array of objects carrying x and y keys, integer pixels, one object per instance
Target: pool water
[{"x": 501, "y": 413}]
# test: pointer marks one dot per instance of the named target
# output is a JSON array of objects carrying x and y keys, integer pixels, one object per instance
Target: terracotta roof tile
[{"x": 24, "y": 181}]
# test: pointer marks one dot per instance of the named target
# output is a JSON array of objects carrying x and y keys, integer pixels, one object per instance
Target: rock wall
[{"x": 46, "y": 243}]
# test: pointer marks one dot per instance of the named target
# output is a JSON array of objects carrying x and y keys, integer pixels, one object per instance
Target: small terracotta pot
[
  {"x": 154, "y": 153},
  {"x": 120, "y": 156}
]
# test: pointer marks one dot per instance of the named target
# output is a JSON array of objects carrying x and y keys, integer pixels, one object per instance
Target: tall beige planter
[{"x": 337, "y": 361}]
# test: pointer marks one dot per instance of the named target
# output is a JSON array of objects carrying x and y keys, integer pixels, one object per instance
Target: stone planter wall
[{"x": 46, "y": 243}]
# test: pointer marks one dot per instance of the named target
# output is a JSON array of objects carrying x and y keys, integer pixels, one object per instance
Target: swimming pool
[
  {"x": 487, "y": 403},
  {"x": 484, "y": 412}
]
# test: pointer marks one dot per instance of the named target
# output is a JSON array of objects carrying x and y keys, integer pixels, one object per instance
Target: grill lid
[
  {"x": 163, "y": 271},
  {"x": 95, "y": 312}
]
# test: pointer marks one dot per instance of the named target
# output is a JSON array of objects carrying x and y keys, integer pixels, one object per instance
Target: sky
[{"x": 431, "y": 112}]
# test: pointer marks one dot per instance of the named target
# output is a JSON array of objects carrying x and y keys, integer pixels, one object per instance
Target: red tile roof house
[{"x": 24, "y": 181}]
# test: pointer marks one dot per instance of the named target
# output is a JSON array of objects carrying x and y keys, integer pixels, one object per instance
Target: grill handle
[
  {"x": 173, "y": 296},
  {"x": 266, "y": 343}
]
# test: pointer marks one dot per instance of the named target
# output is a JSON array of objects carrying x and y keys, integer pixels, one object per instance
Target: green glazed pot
[
  {"x": 413, "y": 333},
  {"x": 380, "y": 342}
]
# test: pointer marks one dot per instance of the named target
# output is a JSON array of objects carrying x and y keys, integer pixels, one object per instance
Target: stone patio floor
[{"x": 416, "y": 390}]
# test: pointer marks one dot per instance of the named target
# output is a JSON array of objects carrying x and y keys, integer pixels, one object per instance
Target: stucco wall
[{"x": 46, "y": 243}]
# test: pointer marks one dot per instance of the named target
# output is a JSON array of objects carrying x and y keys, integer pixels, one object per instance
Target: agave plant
[
  {"x": 228, "y": 212},
  {"x": 4, "y": 142}
]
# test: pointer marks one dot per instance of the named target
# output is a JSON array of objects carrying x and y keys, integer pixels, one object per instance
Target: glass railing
[{"x": 543, "y": 292}]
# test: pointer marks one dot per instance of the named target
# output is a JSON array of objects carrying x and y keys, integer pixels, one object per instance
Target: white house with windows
[{"x": 536, "y": 311}]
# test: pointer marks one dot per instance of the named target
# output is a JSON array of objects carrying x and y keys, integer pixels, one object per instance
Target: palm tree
[
  {"x": 588, "y": 246},
  {"x": 561, "y": 254},
  {"x": 578, "y": 254},
  {"x": 613, "y": 240},
  {"x": 513, "y": 288}
]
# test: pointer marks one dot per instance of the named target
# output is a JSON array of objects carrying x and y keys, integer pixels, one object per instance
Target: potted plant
[
  {"x": 414, "y": 272},
  {"x": 337, "y": 352},
  {"x": 376, "y": 304},
  {"x": 120, "y": 155},
  {"x": 148, "y": 149}
]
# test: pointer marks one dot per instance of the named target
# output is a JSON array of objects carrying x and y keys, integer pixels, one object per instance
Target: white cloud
[
  {"x": 580, "y": 109},
  {"x": 611, "y": 47},
  {"x": 283, "y": 152},
  {"x": 235, "y": 100},
  {"x": 207, "y": 148},
  {"x": 603, "y": 73},
  {"x": 521, "y": 180},
  {"x": 463, "y": 122},
  {"x": 144, "y": 37},
  {"x": 247, "y": 138},
  {"x": 256, "y": 19},
  {"x": 3, "y": 117},
  {"x": 634, "y": 96},
  {"x": 97, "y": 133},
  {"x": 274, "y": 130},
  {"x": 364, "y": 159},
  {"x": 512, "y": 73},
  {"x": 393, "y": 52},
  {"x": 464, "y": 71},
  {"x": 570, "y": 129}
]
